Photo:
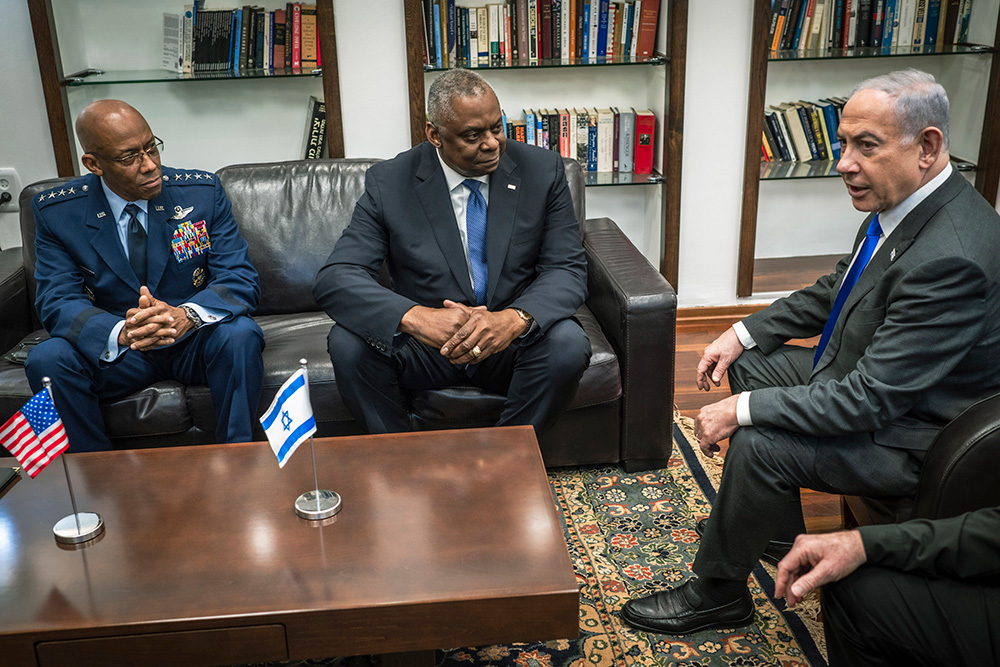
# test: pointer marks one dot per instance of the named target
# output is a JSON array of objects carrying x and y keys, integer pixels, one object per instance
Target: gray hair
[
  {"x": 449, "y": 86},
  {"x": 917, "y": 100}
]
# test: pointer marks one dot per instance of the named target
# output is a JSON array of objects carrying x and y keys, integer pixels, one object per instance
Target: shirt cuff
[
  {"x": 207, "y": 315},
  {"x": 112, "y": 351},
  {"x": 743, "y": 409},
  {"x": 745, "y": 338}
]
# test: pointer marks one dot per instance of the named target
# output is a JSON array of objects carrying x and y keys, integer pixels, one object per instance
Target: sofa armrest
[
  {"x": 15, "y": 311},
  {"x": 959, "y": 471},
  {"x": 637, "y": 310}
]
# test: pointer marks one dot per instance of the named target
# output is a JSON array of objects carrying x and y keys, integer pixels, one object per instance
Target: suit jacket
[
  {"x": 85, "y": 282},
  {"x": 405, "y": 218},
  {"x": 964, "y": 546},
  {"x": 918, "y": 339}
]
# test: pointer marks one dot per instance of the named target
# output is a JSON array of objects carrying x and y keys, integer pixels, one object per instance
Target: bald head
[
  {"x": 113, "y": 135},
  {"x": 103, "y": 120}
]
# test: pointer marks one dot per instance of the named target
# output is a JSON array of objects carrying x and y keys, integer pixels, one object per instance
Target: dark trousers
[
  {"x": 226, "y": 357},
  {"x": 879, "y": 616},
  {"x": 539, "y": 375},
  {"x": 766, "y": 467}
]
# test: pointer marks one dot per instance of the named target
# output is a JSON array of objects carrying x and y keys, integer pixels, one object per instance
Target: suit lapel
[
  {"x": 104, "y": 234},
  {"x": 159, "y": 234},
  {"x": 432, "y": 193},
  {"x": 504, "y": 191},
  {"x": 891, "y": 250}
]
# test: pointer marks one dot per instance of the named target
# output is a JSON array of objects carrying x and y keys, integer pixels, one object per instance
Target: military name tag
[{"x": 190, "y": 239}]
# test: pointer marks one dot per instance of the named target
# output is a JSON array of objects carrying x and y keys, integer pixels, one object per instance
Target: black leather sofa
[{"x": 291, "y": 214}]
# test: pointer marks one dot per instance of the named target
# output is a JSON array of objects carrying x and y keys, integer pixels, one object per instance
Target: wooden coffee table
[{"x": 445, "y": 539}]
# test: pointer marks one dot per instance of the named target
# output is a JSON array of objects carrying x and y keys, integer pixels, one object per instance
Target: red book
[
  {"x": 645, "y": 131},
  {"x": 564, "y": 143},
  {"x": 646, "y": 41},
  {"x": 296, "y": 35},
  {"x": 278, "y": 40},
  {"x": 545, "y": 30}
]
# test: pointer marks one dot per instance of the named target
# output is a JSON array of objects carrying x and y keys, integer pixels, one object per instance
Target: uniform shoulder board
[
  {"x": 187, "y": 177},
  {"x": 63, "y": 192}
]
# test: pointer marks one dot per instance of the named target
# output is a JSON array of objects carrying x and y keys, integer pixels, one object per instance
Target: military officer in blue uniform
[{"x": 142, "y": 276}]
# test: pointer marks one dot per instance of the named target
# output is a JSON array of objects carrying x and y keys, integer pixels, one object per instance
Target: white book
[
  {"x": 626, "y": 140},
  {"x": 188, "y": 20},
  {"x": 494, "y": 34},
  {"x": 816, "y": 29},
  {"x": 609, "y": 47},
  {"x": 268, "y": 40},
  {"x": 853, "y": 25},
  {"x": 605, "y": 139},
  {"x": 482, "y": 21},
  {"x": 173, "y": 43},
  {"x": 626, "y": 18},
  {"x": 636, "y": 14},
  {"x": 595, "y": 12},
  {"x": 473, "y": 35},
  {"x": 564, "y": 53},
  {"x": 903, "y": 37},
  {"x": 533, "y": 29}
]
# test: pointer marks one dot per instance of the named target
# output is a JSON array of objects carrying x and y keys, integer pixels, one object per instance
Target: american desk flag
[
  {"x": 289, "y": 420},
  {"x": 35, "y": 434}
]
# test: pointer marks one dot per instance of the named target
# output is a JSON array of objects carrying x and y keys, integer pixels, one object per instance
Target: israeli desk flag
[{"x": 289, "y": 420}]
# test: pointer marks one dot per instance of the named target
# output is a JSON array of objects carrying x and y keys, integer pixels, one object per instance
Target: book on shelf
[
  {"x": 645, "y": 131},
  {"x": 315, "y": 138},
  {"x": 605, "y": 139},
  {"x": 884, "y": 24},
  {"x": 173, "y": 42}
]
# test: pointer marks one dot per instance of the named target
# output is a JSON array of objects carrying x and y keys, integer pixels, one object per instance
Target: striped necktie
[
  {"x": 475, "y": 225},
  {"x": 860, "y": 262}
]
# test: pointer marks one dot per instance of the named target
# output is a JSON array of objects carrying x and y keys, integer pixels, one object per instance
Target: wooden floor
[{"x": 821, "y": 510}]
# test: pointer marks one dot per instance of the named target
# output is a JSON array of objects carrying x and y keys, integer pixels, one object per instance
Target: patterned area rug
[{"x": 630, "y": 535}]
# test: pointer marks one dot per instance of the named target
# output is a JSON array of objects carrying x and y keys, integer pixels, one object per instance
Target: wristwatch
[
  {"x": 528, "y": 319},
  {"x": 193, "y": 316}
]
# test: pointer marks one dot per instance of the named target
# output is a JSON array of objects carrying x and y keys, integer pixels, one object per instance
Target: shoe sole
[{"x": 648, "y": 628}]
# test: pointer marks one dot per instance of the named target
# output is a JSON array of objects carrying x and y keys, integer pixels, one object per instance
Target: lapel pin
[
  {"x": 100, "y": 214},
  {"x": 511, "y": 186},
  {"x": 892, "y": 255},
  {"x": 158, "y": 207}
]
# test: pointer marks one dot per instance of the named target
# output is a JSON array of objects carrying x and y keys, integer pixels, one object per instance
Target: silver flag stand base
[
  {"x": 77, "y": 528},
  {"x": 307, "y": 507}
]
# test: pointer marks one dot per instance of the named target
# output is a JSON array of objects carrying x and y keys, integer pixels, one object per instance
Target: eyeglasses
[{"x": 131, "y": 159}]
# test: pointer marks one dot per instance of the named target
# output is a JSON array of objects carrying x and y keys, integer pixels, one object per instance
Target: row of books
[
  {"x": 248, "y": 38},
  {"x": 802, "y": 131},
  {"x": 529, "y": 31},
  {"x": 601, "y": 140},
  {"x": 818, "y": 24}
]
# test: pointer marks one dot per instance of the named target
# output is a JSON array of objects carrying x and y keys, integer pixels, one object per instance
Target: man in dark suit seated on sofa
[
  {"x": 920, "y": 592},
  {"x": 910, "y": 328},
  {"x": 487, "y": 264},
  {"x": 142, "y": 276}
]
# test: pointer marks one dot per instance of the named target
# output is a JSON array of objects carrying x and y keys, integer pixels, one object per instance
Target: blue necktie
[
  {"x": 136, "y": 243},
  {"x": 865, "y": 254},
  {"x": 475, "y": 225}
]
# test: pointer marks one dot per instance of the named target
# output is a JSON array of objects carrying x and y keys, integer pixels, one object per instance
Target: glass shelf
[
  {"x": 879, "y": 52},
  {"x": 779, "y": 170},
  {"x": 542, "y": 63},
  {"x": 94, "y": 77},
  {"x": 603, "y": 178}
]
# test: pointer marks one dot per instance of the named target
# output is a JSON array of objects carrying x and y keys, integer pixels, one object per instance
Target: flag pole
[
  {"x": 327, "y": 503},
  {"x": 79, "y": 526}
]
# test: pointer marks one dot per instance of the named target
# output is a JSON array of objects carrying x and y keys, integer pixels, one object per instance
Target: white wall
[{"x": 208, "y": 125}]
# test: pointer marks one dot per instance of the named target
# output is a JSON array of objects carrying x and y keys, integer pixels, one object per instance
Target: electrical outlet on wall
[{"x": 10, "y": 184}]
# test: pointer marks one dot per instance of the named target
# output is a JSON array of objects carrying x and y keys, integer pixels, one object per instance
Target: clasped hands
[
  {"x": 464, "y": 334},
  {"x": 153, "y": 323}
]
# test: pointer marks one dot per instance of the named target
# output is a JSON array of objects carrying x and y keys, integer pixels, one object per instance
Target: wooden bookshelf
[{"x": 672, "y": 133}]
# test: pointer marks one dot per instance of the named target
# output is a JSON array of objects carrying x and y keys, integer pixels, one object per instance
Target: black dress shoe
[
  {"x": 773, "y": 552},
  {"x": 678, "y": 611}
]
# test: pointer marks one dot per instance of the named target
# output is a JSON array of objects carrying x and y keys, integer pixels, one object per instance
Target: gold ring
[{"x": 476, "y": 352}]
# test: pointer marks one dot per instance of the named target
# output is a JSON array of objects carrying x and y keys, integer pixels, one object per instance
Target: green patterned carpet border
[{"x": 630, "y": 535}]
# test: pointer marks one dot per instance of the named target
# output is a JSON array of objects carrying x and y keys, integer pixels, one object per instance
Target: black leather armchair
[
  {"x": 291, "y": 214},
  {"x": 957, "y": 475}
]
